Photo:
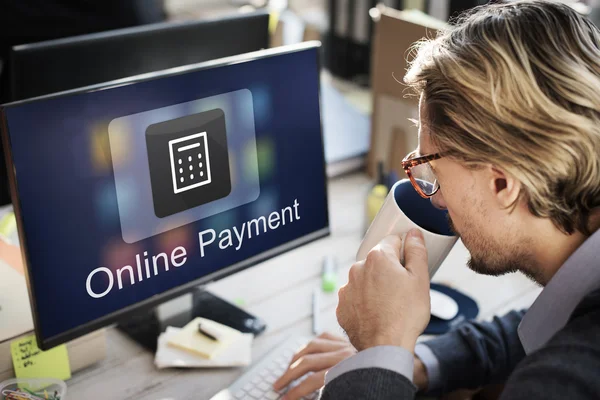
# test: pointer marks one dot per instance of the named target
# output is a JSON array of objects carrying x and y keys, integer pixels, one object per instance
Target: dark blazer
[{"x": 566, "y": 368}]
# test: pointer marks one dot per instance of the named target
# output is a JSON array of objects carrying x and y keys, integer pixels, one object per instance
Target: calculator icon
[{"x": 190, "y": 162}]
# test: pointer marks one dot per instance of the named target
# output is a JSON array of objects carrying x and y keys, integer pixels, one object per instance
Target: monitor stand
[{"x": 145, "y": 327}]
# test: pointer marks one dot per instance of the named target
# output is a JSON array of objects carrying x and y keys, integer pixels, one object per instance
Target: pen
[
  {"x": 204, "y": 332},
  {"x": 315, "y": 312}
]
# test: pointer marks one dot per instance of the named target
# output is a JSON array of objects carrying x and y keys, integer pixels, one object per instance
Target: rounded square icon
[{"x": 188, "y": 162}]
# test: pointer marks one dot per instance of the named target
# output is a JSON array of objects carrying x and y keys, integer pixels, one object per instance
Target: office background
[{"x": 350, "y": 87}]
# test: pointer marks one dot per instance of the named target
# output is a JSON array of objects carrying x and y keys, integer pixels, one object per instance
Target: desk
[{"x": 280, "y": 292}]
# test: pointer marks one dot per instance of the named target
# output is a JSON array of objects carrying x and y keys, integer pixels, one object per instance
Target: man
[{"x": 510, "y": 120}]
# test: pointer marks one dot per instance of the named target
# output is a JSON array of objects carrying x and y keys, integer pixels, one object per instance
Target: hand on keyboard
[{"x": 306, "y": 371}]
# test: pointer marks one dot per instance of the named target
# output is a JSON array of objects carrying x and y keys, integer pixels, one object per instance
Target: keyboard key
[
  {"x": 256, "y": 380},
  {"x": 272, "y": 395},
  {"x": 271, "y": 379},
  {"x": 276, "y": 370},
  {"x": 240, "y": 394},
  {"x": 264, "y": 373},
  {"x": 264, "y": 386},
  {"x": 273, "y": 367},
  {"x": 248, "y": 387},
  {"x": 257, "y": 394}
]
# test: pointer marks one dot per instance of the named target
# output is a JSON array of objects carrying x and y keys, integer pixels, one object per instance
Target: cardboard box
[{"x": 393, "y": 135}]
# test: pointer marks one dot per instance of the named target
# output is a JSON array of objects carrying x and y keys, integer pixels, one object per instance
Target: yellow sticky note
[{"x": 31, "y": 362}]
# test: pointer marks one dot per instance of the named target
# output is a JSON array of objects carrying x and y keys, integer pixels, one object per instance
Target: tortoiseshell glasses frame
[{"x": 410, "y": 161}]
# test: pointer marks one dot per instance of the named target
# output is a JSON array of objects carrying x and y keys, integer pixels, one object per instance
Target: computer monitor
[
  {"x": 57, "y": 65},
  {"x": 63, "y": 64},
  {"x": 131, "y": 193}
]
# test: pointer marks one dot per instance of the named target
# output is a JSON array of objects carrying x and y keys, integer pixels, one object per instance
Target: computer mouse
[{"x": 442, "y": 305}]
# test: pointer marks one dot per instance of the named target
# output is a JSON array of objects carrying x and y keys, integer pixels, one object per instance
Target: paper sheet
[{"x": 239, "y": 353}]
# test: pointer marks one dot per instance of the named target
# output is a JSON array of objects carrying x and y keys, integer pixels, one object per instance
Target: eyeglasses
[{"x": 421, "y": 174}]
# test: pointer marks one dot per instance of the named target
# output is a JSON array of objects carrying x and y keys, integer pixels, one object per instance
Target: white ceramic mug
[{"x": 403, "y": 210}]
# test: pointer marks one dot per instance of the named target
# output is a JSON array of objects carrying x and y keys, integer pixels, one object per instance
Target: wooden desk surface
[{"x": 279, "y": 291}]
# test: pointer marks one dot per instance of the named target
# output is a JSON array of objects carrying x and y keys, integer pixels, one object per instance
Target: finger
[
  {"x": 331, "y": 336},
  {"x": 311, "y": 384},
  {"x": 391, "y": 245},
  {"x": 342, "y": 308},
  {"x": 415, "y": 253},
  {"x": 319, "y": 346},
  {"x": 308, "y": 363},
  {"x": 355, "y": 273}
]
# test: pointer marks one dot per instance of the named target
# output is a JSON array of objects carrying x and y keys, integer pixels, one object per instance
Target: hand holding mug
[{"x": 384, "y": 301}]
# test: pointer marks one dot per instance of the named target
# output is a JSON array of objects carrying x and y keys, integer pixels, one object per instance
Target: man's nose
[{"x": 438, "y": 200}]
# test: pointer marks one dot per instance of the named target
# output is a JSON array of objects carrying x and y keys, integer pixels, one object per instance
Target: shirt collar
[{"x": 550, "y": 312}]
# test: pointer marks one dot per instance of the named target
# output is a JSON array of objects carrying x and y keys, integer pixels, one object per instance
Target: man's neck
[{"x": 552, "y": 248}]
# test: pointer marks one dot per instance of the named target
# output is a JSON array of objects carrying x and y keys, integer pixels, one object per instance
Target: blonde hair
[{"x": 517, "y": 85}]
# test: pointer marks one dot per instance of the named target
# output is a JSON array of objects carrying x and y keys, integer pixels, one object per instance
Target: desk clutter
[
  {"x": 203, "y": 343},
  {"x": 33, "y": 389}
]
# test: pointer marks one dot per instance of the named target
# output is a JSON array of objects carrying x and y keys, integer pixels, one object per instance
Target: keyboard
[{"x": 257, "y": 382}]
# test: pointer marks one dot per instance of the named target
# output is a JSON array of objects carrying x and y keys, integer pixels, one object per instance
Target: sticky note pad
[
  {"x": 238, "y": 353},
  {"x": 189, "y": 339},
  {"x": 31, "y": 362}
]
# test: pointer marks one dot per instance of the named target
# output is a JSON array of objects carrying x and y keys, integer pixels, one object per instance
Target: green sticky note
[{"x": 31, "y": 362}]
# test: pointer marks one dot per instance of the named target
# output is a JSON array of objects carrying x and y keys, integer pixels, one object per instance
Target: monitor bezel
[
  {"x": 135, "y": 30},
  {"x": 23, "y": 50},
  {"x": 113, "y": 318}
]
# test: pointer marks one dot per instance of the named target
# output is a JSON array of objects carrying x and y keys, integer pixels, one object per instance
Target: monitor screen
[
  {"x": 53, "y": 66},
  {"x": 130, "y": 194}
]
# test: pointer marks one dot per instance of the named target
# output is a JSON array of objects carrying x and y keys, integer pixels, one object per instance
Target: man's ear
[{"x": 504, "y": 187}]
